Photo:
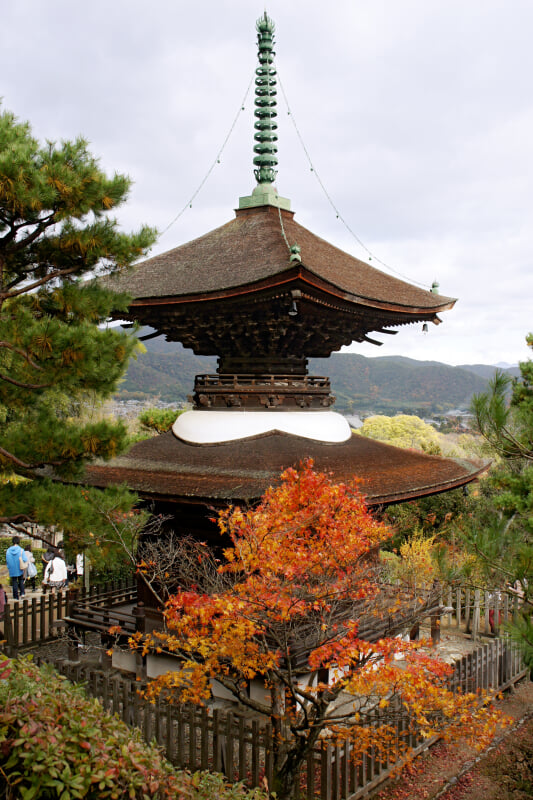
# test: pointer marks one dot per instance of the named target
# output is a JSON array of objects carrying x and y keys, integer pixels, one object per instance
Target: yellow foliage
[{"x": 416, "y": 565}]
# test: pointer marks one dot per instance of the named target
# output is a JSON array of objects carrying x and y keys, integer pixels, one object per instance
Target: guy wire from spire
[
  {"x": 188, "y": 204},
  {"x": 283, "y": 230},
  {"x": 369, "y": 253}
]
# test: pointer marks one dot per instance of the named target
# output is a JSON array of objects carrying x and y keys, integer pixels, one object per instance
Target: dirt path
[{"x": 503, "y": 772}]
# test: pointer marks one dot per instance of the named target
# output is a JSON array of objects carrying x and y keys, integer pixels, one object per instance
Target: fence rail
[
  {"x": 241, "y": 746},
  {"x": 33, "y": 621}
]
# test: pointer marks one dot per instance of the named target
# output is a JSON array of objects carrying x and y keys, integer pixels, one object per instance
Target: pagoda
[{"x": 265, "y": 294}]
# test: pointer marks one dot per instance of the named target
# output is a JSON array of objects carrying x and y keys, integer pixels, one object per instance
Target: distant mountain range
[{"x": 385, "y": 384}]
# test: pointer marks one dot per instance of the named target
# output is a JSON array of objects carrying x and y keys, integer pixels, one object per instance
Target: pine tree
[
  {"x": 506, "y": 543},
  {"x": 56, "y": 361}
]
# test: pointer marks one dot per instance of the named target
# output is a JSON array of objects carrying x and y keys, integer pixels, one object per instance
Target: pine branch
[
  {"x": 21, "y": 352},
  {"x": 23, "y": 465},
  {"x": 41, "y": 224},
  {"x": 59, "y": 273},
  {"x": 24, "y": 385},
  {"x": 12, "y": 523},
  {"x": 12, "y": 520}
]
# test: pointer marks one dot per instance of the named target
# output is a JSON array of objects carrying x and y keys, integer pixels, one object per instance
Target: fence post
[
  {"x": 139, "y": 612},
  {"x": 487, "y": 611},
  {"x": 505, "y": 608},
  {"x": 435, "y": 628},
  {"x": 269, "y": 754},
  {"x": 72, "y": 646},
  {"x": 325, "y": 772},
  {"x": 217, "y": 742},
  {"x": 476, "y": 615},
  {"x": 10, "y": 646},
  {"x": 140, "y": 625},
  {"x": 255, "y": 752},
  {"x": 72, "y": 600},
  {"x": 508, "y": 660},
  {"x": 467, "y": 611},
  {"x": 496, "y": 621},
  {"x": 15, "y": 628},
  {"x": 25, "y": 613},
  {"x": 450, "y": 600}
]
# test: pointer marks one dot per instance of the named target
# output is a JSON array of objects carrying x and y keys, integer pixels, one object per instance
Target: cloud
[{"x": 418, "y": 118}]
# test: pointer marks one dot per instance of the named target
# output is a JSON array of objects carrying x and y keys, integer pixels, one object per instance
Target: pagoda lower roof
[
  {"x": 166, "y": 468},
  {"x": 251, "y": 253}
]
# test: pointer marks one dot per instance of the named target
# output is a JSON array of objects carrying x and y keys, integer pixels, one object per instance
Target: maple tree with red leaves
[{"x": 299, "y": 610}]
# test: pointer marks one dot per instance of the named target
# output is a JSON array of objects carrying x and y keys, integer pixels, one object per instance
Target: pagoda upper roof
[{"x": 251, "y": 253}]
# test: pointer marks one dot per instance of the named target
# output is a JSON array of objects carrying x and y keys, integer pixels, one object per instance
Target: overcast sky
[{"x": 417, "y": 116}]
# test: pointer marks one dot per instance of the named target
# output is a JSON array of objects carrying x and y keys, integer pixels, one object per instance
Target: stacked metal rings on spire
[{"x": 265, "y": 160}]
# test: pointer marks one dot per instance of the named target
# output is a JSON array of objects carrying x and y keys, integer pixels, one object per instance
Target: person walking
[
  {"x": 31, "y": 571},
  {"x": 56, "y": 573},
  {"x": 46, "y": 559},
  {"x": 16, "y": 561}
]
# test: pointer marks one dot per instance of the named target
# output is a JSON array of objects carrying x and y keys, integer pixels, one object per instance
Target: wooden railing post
[
  {"x": 15, "y": 630},
  {"x": 476, "y": 616},
  {"x": 139, "y": 613},
  {"x": 435, "y": 628},
  {"x": 8, "y": 632},
  {"x": 140, "y": 625},
  {"x": 72, "y": 647},
  {"x": 496, "y": 615},
  {"x": 72, "y": 599}
]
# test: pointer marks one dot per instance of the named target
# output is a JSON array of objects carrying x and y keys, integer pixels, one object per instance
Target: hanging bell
[{"x": 425, "y": 327}]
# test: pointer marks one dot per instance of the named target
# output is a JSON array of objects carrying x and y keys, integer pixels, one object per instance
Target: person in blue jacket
[{"x": 15, "y": 557}]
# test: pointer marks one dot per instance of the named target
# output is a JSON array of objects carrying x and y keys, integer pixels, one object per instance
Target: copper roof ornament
[
  {"x": 247, "y": 293},
  {"x": 265, "y": 136},
  {"x": 265, "y": 159}
]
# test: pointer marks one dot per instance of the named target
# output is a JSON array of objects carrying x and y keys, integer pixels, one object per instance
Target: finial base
[{"x": 265, "y": 194}]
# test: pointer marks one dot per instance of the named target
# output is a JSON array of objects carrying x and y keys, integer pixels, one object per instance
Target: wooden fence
[
  {"x": 33, "y": 621},
  {"x": 240, "y": 745},
  {"x": 479, "y": 612},
  {"x": 37, "y": 620}
]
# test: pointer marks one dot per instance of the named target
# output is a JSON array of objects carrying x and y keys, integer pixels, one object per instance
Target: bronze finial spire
[{"x": 265, "y": 160}]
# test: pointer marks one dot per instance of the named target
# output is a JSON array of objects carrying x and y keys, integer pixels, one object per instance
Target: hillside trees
[
  {"x": 403, "y": 430},
  {"x": 297, "y": 624},
  {"x": 158, "y": 420},
  {"x": 56, "y": 236},
  {"x": 506, "y": 544}
]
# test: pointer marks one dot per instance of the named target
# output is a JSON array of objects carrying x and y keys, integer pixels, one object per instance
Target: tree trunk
[{"x": 290, "y": 753}]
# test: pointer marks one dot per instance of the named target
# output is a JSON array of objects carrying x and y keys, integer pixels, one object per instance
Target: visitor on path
[
  {"x": 31, "y": 572},
  {"x": 16, "y": 564},
  {"x": 56, "y": 573},
  {"x": 46, "y": 559}
]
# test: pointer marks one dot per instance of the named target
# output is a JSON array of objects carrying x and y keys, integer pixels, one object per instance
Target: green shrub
[{"x": 56, "y": 743}]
